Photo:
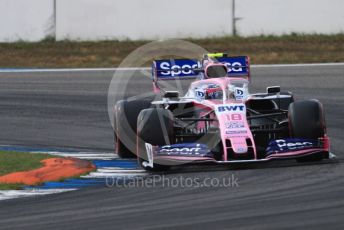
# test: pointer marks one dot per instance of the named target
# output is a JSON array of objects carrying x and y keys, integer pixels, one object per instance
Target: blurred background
[
  {"x": 84, "y": 20},
  {"x": 90, "y": 33}
]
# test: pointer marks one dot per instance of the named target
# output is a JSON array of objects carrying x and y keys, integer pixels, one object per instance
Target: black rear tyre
[
  {"x": 125, "y": 125},
  {"x": 154, "y": 126},
  {"x": 306, "y": 120}
]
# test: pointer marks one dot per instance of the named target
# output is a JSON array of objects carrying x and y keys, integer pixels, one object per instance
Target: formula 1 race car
[{"x": 217, "y": 121}]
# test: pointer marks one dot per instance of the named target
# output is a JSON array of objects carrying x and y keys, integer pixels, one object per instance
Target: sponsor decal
[
  {"x": 292, "y": 144},
  {"x": 241, "y": 150},
  {"x": 236, "y": 132},
  {"x": 200, "y": 94},
  {"x": 185, "y": 149},
  {"x": 239, "y": 94},
  {"x": 176, "y": 68},
  {"x": 234, "y": 125},
  {"x": 235, "y": 65},
  {"x": 170, "y": 68},
  {"x": 230, "y": 108}
]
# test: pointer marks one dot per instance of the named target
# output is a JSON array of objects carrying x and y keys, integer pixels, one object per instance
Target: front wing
[{"x": 194, "y": 153}]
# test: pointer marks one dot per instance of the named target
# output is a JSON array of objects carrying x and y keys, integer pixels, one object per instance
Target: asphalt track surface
[{"x": 69, "y": 110}]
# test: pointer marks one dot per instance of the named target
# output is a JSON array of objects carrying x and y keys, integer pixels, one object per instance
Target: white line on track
[
  {"x": 11, "y": 194},
  {"x": 148, "y": 68},
  {"x": 108, "y": 172},
  {"x": 297, "y": 65},
  {"x": 83, "y": 155},
  {"x": 112, "y": 175},
  {"x": 120, "y": 170},
  {"x": 71, "y": 70}
]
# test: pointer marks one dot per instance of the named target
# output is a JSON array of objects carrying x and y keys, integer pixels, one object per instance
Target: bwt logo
[
  {"x": 176, "y": 70},
  {"x": 230, "y": 108}
]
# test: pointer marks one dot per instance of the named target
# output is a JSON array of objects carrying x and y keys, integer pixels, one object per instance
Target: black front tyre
[
  {"x": 154, "y": 126},
  {"x": 125, "y": 125},
  {"x": 306, "y": 120}
]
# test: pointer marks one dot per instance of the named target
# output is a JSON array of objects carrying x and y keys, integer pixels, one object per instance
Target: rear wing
[
  {"x": 237, "y": 66},
  {"x": 171, "y": 69}
]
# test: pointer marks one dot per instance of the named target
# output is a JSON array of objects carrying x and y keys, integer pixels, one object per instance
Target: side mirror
[{"x": 273, "y": 89}]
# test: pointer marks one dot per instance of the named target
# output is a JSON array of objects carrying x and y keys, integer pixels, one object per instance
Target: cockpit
[{"x": 233, "y": 89}]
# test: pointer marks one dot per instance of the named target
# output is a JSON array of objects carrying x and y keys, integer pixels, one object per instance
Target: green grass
[
  {"x": 18, "y": 161},
  {"x": 11, "y": 186},
  {"x": 293, "y": 48}
]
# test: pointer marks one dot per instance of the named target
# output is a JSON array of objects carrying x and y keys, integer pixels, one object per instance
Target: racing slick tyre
[
  {"x": 306, "y": 120},
  {"x": 154, "y": 126},
  {"x": 125, "y": 121}
]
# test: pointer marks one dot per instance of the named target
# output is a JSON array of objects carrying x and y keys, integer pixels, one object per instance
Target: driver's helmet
[{"x": 213, "y": 93}]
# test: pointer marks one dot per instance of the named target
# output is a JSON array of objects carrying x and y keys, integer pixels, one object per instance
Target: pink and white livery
[{"x": 218, "y": 120}]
